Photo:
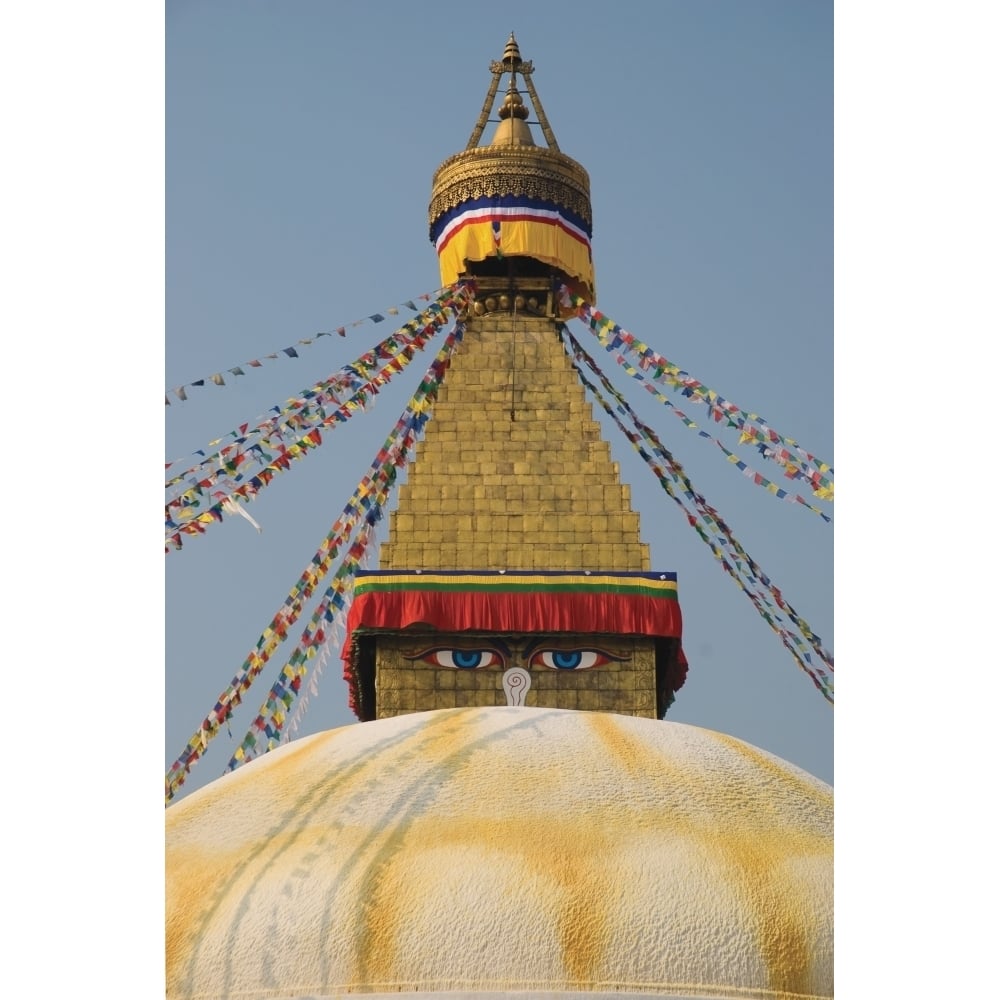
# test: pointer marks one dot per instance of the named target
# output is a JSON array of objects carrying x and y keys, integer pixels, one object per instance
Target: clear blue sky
[{"x": 300, "y": 144}]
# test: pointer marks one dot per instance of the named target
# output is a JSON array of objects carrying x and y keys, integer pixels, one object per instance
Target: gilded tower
[{"x": 514, "y": 571}]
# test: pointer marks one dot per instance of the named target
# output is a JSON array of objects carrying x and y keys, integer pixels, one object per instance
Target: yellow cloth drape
[{"x": 544, "y": 241}]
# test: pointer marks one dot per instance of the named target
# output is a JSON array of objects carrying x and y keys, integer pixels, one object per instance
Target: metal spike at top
[
  {"x": 511, "y": 54},
  {"x": 512, "y": 63}
]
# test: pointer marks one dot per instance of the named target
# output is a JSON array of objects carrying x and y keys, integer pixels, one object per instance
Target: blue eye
[
  {"x": 570, "y": 659},
  {"x": 460, "y": 659},
  {"x": 467, "y": 659},
  {"x": 567, "y": 661}
]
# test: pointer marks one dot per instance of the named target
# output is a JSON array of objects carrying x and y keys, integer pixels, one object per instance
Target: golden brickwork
[
  {"x": 512, "y": 472},
  {"x": 404, "y": 685}
]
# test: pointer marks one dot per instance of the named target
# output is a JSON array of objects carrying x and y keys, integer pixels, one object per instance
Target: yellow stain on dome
[
  {"x": 567, "y": 883},
  {"x": 550, "y": 841},
  {"x": 759, "y": 864},
  {"x": 778, "y": 771},
  {"x": 566, "y": 854},
  {"x": 756, "y": 860}
]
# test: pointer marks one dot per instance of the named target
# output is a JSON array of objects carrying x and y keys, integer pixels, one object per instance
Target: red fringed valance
[
  {"x": 623, "y": 604},
  {"x": 627, "y": 604}
]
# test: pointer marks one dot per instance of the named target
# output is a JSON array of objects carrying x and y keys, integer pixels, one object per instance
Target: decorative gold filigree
[{"x": 493, "y": 171}]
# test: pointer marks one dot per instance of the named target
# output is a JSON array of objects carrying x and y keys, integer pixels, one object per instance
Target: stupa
[{"x": 513, "y": 814}]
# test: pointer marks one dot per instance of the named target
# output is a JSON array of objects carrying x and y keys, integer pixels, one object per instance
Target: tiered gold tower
[
  {"x": 513, "y": 472},
  {"x": 513, "y": 476}
]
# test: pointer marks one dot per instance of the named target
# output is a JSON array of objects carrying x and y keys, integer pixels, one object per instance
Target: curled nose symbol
[{"x": 516, "y": 682}]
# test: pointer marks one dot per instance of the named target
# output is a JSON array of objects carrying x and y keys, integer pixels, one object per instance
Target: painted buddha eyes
[
  {"x": 462, "y": 659},
  {"x": 569, "y": 659},
  {"x": 457, "y": 658}
]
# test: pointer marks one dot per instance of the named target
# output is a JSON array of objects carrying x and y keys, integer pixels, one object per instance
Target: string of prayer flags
[
  {"x": 727, "y": 550},
  {"x": 335, "y": 634},
  {"x": 364, "y": 505},
  {"x": 755, "y": 477},
  {"x": 183, "y": 515},
  {"x": 271, "y": 718},
  {"x": 385, "y": 469},
  {"x": 309, "y": 410},
  {"x": 348, "y": 378},
  {"x": 180, "y": 392},
  {"x": 772, "y": 488},
  {"x": 784, "y": 451},
  {"x": 741, "y": 563},
  {"x": 711, "y": 515},
  {"x": 748, "y": 471},
  {"x": 731, "y": 564}
]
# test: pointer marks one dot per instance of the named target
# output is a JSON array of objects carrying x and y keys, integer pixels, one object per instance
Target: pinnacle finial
[
  {"x": 513, "y": 111},
  {"x": 511, "y": 54}
]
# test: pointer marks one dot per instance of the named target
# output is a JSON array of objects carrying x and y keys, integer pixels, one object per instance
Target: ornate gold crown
[{"x": 511, "y": 164}]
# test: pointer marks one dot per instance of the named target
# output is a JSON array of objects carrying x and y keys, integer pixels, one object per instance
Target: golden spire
[
  {"x": 512, "y": 168},
  {"x": 511, "y": 54}
]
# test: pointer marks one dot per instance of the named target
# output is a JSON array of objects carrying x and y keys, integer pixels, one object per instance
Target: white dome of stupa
[{"x": 504, "y": 850}]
